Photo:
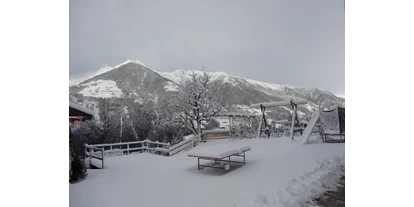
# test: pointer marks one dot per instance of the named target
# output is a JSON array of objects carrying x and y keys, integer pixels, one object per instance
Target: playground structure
[
  {"x": 330, "y": 123},
  {"x": 294, "y": 120},
  {"x": 280, "y": 127},
  {"x": 284, "y": 127},
  {"x": 240, "y": 124}
]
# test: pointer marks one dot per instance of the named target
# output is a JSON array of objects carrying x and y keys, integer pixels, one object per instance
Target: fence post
[
  {"x": 169, "y": 152},
  {"x": 110, "y": 147},
  {"x": 90, "y": 155},
  {"x": 127, "y": 148},
  {"x": 143, "y": 145},
  {"x": 102, "y": 159}
]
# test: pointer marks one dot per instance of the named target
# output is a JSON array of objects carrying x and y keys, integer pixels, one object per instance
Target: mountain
[{"x": 132, "y": 82}]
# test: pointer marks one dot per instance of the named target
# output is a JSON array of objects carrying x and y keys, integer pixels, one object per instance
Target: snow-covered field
[{"x": 278, "y": 172}]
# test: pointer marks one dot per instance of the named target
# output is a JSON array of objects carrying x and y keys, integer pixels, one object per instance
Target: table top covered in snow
[{"x": 218, "y": 151}]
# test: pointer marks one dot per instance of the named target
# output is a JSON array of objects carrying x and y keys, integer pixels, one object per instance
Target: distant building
[{"x": 79, "y": 113}]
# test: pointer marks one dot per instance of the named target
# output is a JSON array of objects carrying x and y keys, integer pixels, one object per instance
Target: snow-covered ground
[{"x": 278, "y": 172}]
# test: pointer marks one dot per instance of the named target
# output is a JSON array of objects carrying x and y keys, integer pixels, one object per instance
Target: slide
[{"x": 308, "y": 131}]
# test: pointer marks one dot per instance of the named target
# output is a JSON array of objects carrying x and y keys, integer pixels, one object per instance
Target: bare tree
[{"x": 195, "y": 103}]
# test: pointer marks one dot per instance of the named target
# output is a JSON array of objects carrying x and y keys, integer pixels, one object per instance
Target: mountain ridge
[{"x": 132, "y": 81}]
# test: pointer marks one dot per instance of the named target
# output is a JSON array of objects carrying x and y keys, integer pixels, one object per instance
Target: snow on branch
[{"x": 195, "y": 102}]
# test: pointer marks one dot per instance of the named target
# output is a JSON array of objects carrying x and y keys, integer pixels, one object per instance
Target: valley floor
[{"x": 278, "y": 172}]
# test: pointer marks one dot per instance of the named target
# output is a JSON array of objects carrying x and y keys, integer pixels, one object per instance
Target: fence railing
[
  {"x": 183, "y": 145},
  {"x": 90, "y": 153},
  {"x": 100, "y": 150}
]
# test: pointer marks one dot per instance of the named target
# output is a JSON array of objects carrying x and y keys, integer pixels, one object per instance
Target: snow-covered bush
[{"x": 87, "y": 132}]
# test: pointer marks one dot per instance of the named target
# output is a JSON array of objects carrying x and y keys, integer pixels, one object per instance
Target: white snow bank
[{"x": 305, "y": 186}]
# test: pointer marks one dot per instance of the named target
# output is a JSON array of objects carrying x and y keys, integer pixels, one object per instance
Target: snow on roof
[
  {"x": 215, "y": 130},
  {"x": 237, "y": 114},
  {"x": 80, "y": 108}
]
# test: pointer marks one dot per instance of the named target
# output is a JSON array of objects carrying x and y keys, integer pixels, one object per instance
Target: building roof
[
  {"x": 237, "y": 114},
  {"x": 80, "y": 108}
]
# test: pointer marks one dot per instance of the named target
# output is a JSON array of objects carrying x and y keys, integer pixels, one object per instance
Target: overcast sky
[{"x": 295, "y": 42}]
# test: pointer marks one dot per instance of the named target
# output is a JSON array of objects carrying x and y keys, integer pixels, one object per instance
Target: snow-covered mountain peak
[
  {"x": 105, "y": 69},
  {"x": 131, "y": 61}
]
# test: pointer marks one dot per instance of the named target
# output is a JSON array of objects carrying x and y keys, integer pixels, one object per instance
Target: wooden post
[
  {"x": 339, "y": 120},
  {"x": 110, "y": 147},
  {"x": 102, "y": 159},
  {"x": 90, "y": 150},
  {"x": 294, "y": 107},
  {"x": 169, "y": 152},
  {"x": 230, "y": 127},
  {"x": 128, "y": 148},
  {"x": 261, "y": 120}
]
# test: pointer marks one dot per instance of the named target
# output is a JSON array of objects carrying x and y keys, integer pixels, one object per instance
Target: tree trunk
[{"x": 199, "y": 130}]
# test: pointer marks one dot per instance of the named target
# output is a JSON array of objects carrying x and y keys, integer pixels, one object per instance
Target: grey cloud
[{"x": 295, "y": 42}]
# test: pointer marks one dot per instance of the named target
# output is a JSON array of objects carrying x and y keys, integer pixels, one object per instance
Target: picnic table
[{"x": 219, "y": 153}]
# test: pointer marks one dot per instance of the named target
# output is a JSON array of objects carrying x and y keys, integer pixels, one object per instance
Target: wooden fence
[{"x": 99, "y": 151}]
